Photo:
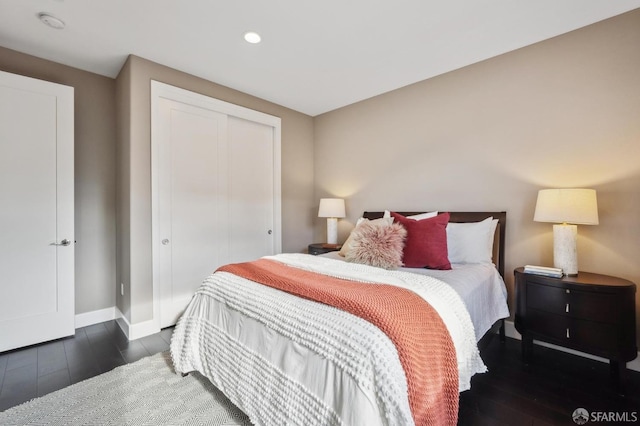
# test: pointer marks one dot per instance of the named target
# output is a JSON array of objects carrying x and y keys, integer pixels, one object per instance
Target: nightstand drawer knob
[
  {"x": 568, "y": 334},
  {"x": 567, "y": 308},
  {"x": 269, "y": 232},
  {"x": 567, "y": 291}
]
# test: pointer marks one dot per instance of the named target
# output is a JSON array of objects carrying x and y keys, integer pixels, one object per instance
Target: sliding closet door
[
  {"x": 215, "y": 191},
  {"x": 36, "y": 211},
  {"x": 191, "y": 202}
]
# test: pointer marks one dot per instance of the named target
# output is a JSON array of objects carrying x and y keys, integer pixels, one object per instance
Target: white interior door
[
  {"x": 191, "y": 202},
  {"x": 36, "y": 211}
]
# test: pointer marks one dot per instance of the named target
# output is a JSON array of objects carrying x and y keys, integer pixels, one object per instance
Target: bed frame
[{"x": 462, "y": 217}]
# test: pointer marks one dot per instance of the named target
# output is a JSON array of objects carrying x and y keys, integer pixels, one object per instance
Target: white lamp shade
[
  {"x": 575, "y": 206},
  {"x": 331, "y": 207}
]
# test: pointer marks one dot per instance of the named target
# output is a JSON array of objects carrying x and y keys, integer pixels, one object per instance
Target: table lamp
[
  {"x": 566, "y": 208},
  {"x": 332, "y": 209}
]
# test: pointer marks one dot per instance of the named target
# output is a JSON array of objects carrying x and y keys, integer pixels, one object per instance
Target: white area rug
[{"x": 147, "y": 392}]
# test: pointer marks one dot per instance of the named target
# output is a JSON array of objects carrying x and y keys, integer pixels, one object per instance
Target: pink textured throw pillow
[
  {"x": 377, "y": 244},
  {"x": 426, "y": 244}
]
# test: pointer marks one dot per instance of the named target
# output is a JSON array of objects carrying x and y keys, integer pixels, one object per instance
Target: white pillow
[
  {"x": 471, "y": 242},
  {"x": 423, "y": 215}
]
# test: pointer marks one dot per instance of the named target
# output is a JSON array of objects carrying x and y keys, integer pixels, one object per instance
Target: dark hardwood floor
[
  {"x": 544, "y": 393},
  {"x": 37, "y": 370}
]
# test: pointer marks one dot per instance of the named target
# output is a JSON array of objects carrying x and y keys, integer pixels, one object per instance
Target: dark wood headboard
[{"x": 461, "y": 217}]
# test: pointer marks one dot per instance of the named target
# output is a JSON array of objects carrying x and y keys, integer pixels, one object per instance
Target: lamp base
[
  {"x": 565, "y": 253},
  {"x": 332, "y": 230}
]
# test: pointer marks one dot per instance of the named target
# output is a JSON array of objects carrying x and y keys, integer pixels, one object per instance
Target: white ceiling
[{"x": 315, "y": 56}]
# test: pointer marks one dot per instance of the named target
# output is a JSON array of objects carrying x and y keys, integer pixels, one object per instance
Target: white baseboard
[
  {"x": 95, "y": 317},
  {"x": 510, "y": 331},
  {"x": 135, "y": 331}
]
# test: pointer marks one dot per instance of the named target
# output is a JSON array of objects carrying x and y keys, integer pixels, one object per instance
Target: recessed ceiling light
[
  {"x": 252, "y": 37},
  {"x": 51, "y": 20}
]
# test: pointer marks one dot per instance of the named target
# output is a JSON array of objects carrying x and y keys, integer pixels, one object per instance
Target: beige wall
[
  {"x": 134, "y": 154},
  {"x": 94, "y": 174},
  {"x": 123, "y": 177},
  {"x": 561, "y": 113}
]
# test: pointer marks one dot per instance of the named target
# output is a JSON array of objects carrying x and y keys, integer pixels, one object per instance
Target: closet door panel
[
  {"x": 191, "y": 202},
  {"x": 251, "y": 190}
]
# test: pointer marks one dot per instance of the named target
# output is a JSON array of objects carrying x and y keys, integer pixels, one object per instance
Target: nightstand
[
  {"x": 321, "y": 248},
  {"x": 590, "y": 313}
]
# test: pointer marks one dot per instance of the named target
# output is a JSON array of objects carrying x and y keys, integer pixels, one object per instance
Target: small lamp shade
[
  {"x": 566, "y": 208},
  {"x": 332, "y": 209}
]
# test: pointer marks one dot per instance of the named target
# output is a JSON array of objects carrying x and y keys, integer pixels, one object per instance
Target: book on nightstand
[{"x": 543, "y": 270}]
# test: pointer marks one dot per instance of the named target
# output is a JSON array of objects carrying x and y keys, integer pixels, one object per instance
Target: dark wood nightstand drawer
[
  {"x": 598, "y": 338},
  {"x": 591, "y": 313},
  {"x": 321, "y": 248},
  {"x": 580, "y": 304}
]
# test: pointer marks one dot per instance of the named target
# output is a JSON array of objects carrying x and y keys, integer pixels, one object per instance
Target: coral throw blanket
[{"x": 424, "y": 345}]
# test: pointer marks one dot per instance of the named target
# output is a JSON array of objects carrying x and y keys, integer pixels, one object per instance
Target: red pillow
[{"x": 426, "y": 243}]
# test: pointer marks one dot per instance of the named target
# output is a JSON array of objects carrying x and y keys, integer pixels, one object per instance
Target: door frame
[{"x": 160, "y": 91}]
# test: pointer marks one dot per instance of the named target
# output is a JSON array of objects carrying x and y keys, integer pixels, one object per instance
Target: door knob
[{"x": 64, "y": 242}]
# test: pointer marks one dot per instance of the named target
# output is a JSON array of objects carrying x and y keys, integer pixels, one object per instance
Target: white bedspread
[
  {"x": 287, "y": 360},
  {"x": 479, "y": 285}
]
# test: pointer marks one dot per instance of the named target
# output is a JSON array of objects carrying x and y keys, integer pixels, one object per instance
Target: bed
[{"x": 284, "y": 355}]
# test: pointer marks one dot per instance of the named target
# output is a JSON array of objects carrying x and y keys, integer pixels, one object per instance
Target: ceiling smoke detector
[{"x": 51, "y": 20}]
